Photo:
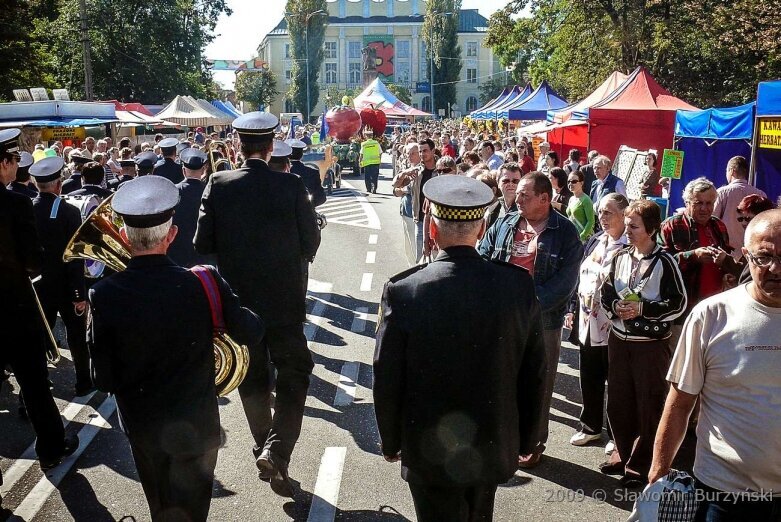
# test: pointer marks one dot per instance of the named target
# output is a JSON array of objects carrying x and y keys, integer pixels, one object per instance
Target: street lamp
[
  {"x": 431, "y": 62},
  {"x": 306, "y": 43}
]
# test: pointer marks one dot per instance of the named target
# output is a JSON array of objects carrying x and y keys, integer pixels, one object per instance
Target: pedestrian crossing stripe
[{"x": 348, "y": 206}]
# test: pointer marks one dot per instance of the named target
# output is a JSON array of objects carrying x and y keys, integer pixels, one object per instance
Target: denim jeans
[{"x": 713, "y": 509}]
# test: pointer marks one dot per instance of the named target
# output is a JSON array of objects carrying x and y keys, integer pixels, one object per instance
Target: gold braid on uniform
[{"x": 456, "y": 214}]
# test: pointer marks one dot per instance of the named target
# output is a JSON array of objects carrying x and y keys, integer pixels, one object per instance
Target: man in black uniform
[
  {"x": 182, "y": 251},
  {"x": 458, "y": 383},
  {"x": 128, "y": 173},
  {"x": 92, "y": 176},
  {"x": 261, "y": 226},
  {"x": 22, "y": 184},
  {"x": 61, "y": 287},
  {"x": 146, "y": 161},
  {"x": 22, "y": 334},
  {"x": 168, "y": 167},
  {"x": 160, "y": 363},
  {"x": 74, "y": 181},
  {"x": 280, "y": 156},
  {"x": 310, "y": 176}
]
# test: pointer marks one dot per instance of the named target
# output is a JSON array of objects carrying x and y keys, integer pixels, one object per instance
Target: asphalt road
[{"x": 336, "y": 467}]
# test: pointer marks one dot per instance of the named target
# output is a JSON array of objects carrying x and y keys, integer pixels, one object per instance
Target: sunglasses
[
  {"x": 744, "y": 219},
  {"x": 573, "y": 181}
]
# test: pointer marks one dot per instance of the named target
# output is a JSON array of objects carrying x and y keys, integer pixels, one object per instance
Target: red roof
[
  {"x": 641, "y": 92},
  {"x": 135, "y": 107}
]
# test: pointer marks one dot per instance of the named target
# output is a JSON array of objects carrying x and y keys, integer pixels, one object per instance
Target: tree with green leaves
[
  {"x": 491, "y": 89},
  {"x": 306, "y": 23},
  {"x": 257, "y": 88},
  {"x": 401, "y": 92},
  {"x": 440, "y": 33}
]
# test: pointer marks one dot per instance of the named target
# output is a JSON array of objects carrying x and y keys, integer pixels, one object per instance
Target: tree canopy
[
  {"x": 440, "y": 33},
  {"x": 305, "y": 23},
  {"x": 258, "y": 88}
]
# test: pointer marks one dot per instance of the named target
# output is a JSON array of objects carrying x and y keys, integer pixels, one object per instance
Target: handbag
[
  {"x": 642, "y": 327},
  {"x": 670, "y": 499}
]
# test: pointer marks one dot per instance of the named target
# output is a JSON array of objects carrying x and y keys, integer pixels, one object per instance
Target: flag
[
  {"x": 323, "y": 129},
  {"x": 293, "y": 123}
]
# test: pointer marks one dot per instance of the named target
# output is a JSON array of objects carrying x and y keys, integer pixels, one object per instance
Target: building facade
[{"x": 395, "y": 29}]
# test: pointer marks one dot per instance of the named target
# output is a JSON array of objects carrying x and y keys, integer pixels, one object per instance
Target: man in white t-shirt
[{"x": 729, "y": 355}]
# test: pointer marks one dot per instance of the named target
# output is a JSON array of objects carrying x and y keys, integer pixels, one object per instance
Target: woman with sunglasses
[{"x": 580, "y": 209}]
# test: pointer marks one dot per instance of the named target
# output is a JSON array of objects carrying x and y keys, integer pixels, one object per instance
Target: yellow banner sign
[
  {"x": 63, "y": 133},
  {"x": 770, "y": 133}
]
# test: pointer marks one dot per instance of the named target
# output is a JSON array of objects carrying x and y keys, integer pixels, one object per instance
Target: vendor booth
[
  {"x": 766, "y": 164},
  {"x": 508, "y": 96},
  {"x": 535, "y": 106},
  {"x": 378, "y": 96}
]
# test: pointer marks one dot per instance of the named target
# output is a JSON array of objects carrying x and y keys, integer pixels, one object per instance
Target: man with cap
[
  {"x": 74, "y": 181},
  {"x": 92, "y": 176},
  {"x": 168, "y": 167},
  {"x": 260, "y": 224},
  {"x": 127, "y": 173},
  {"x": 370, "y": 158},
  {"x": 475, "y": 367},
  {"x": 22, "y": 184},
  {"x": 182, "y": 251},
  {"x": 146, "y": 164},
  {"x": 61, "y": 288},
  {"x": 22, "y": 334},
  {"x": 310, "y": 176},
  {"x": 160, "y": 368},
  {"x": 280, "y": 156}
]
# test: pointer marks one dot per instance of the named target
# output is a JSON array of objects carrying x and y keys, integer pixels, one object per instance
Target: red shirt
[
  {"x": 527, "y": 165},
  {"x": 710, "y": 274},
  {"x": 449, "y": 150},
  {"x": 524, "y": 249}
]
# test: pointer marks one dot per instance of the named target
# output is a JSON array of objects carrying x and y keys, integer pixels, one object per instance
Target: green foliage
[
  {"x": 302, "y": 25},
  {"x": 440, "y": 33},
  {"x": 707, "y": 52},
  {"x": 491, "y": 89},
  {"x": 258, "y": 88},
  {"x": 401, "y": 92}
]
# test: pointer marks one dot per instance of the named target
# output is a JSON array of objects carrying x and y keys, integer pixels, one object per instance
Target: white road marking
[
  {"x": 35, "y": 500},
  {"x": 348, "y": 206},
  {"x": 345, "y": 389},
  {"x": 329, "y": 479},
  {"x": 373, "y": 239},
  {"x": 366, "y": 282},
  {"x": 371, "y": 257},
  {"x": 315, "y": 317},
  {"x": 359, "y": 321},
  {"x": 28, "y": 458}
]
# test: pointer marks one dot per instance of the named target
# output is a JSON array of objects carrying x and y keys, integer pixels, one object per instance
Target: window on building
[
  {"x": 287, "y": 50},
  {"x": 355, "y": 73},
  {"x": 402, "y": 74},
  {"x": 471, "y": 76},
  {"x": 354, "y": 50},
  {"x": 330, "y": 73},
  {"x": 402, "y": 49},
  {"x": 426, "y": 104},
  {"x": 471, "y": 104},
  {"x": 289, "y": 105},
  {"x": 329, "y": 50},
  {"x": 423, "y": 61},
  {"x": 288, "y": 75},
  {"x": 471, "y": 49}
]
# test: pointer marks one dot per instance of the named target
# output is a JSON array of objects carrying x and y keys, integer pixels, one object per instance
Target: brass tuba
[
  {"x": 98, "y": 239},
  {"x": 216, "y": 160}
]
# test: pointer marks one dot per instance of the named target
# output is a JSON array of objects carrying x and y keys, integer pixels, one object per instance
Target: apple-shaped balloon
[
  {"x": 343, "y": 123},
  {"x": 375, "y": 119}
]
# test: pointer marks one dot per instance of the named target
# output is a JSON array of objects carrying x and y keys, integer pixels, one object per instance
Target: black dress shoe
[
  {"x": 273, "y": 468},
  {"x": 631, "y": 482},
  {"x": 614, "y": 468},
  {"x": 71, "y": 444}
]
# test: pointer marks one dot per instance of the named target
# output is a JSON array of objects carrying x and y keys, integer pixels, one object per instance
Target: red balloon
[
  {"x": 375, "y": 119},
  {"x": 344, "y": 122}
]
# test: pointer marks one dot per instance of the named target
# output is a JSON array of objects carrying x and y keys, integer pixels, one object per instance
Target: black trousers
[
  {"x": 593, "y": 375},
  {"x": 54, "y": 300},
  {"x": 21, "y": 346},
  {"x": 453, "y": 504},
  {"x": 178, "y": 488},
  {"x": 638, "y": 389},
  {"x": 285, "y": 348},
  {"x": 371, "y": 175}
]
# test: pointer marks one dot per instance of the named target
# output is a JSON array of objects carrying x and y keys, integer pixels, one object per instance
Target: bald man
[{"x": 729, "y": 354}]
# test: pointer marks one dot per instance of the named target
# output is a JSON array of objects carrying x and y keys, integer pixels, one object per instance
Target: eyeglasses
[
  {"x": 573, "y": 181},
  {"x": 764, "y": 260},
  {"x": 744, "y": 219}
]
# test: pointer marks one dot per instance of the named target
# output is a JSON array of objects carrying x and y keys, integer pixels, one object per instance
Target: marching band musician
[
  {"x": 74, "y": 181},
  {"x": 280, "y": 156},
  {"x": 163, "y": 374},
  {"x": 22, "y": 184},
  {"x": 127, "y": 173},
  {"x": 310, "y": 176},
  {"x": 190, "y": 189},
  {"x": 62, "y": 286},
  {"x": 21, "y": 327},
  {"x": 92, "y": 176},
  {"x": 145, "y": 164},
  {"x": 260, "y": 224},
  {"x": 168, "y": 167}
]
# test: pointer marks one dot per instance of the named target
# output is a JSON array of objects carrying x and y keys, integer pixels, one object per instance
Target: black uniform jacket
[
  {"x": 72, "y": 183},
  {"x": 262, "y": 227},
  {"x": 119, "y": 181},
  {"x": 459, "y": 369},
  {"x": 151, "y": 345},
  {"x": 21, "y": 257},
  {"x": 58, "y": 277},
  {"x": 169, "y": 169},
  {"x": 21, "y": 188},
  {"x": 92, "y": 190},
  {"x": 311, "y": 179},
  {"x": 182, "y": 250}
]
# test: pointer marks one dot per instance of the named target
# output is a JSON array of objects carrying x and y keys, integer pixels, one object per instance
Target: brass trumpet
[
  {"x": 219, "y": 163},
  {"x": 98, "y": 239},
  {"x": 52, "y": 350}
]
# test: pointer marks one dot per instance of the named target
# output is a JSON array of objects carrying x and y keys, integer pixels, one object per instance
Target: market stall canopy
[
  {"x": 190, "y": 113},
  {"x": 232, "y": 107},
  {"x": 579, "y": 110},
  {"x": 491, "y": 110},
  {"x": 131, "y": 107},
  {"x": 227, "y": 109},
  {"x": 767, "y": 160},
  {"x": 729, "y": 123},
  {"x": 535, "y": 106},
  {"x": 378, "y": 95},
  {"x": 225, "y": 118},
  {"x": 56, "y": 113}
]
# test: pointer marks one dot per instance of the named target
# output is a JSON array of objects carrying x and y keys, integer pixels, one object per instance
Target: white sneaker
[
  {"x": 582, "y": 438},
  {"x": 610, "y": 447}
]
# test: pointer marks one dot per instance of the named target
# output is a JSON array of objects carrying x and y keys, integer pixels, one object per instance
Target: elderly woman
[
  {"x": 642, "y": 295},
  {"x": 593, "y": 325}
]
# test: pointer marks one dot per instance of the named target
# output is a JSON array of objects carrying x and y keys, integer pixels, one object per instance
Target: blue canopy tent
[
  {"x": 709, "y": 138},
  {"x": 766, "y": 164},
  {"x": 478, "y": 113},
  {"x": 499, "y": 112},
  {"x": 225, "y": 108},
  {"x": 488, "y": 111},
  {"x": 537, "y": 104}
]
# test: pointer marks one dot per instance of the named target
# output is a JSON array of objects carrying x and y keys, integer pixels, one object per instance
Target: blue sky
[{"x": 239, "y": 35}]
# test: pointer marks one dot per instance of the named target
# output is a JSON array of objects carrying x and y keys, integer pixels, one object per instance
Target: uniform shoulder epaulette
[
  {"x": 406, "y": 273},
  {"x": 506, "y": 263}
]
